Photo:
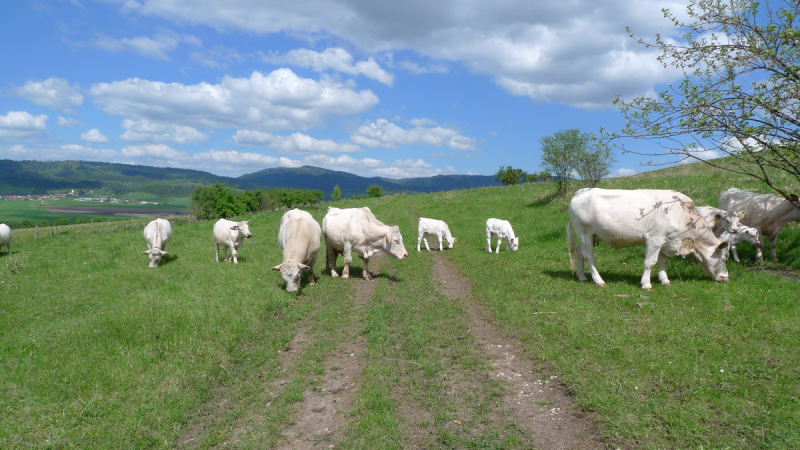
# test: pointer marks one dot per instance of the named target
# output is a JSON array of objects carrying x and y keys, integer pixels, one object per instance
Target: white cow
[
  {"x": 721, "y": 220},
  {"x": 230, "y": 235},
  {"x": 665, "y": 222},
  {"x": 745, "y": 234},
  {"x": 157, "y": 235},
  {"x": 502, "y": 229},
  {"x": 436, "y": 228},
  {"x": 5, "y": 236},
  {"x": 299, "y": 238},
  {"x": 357, "y": 229},
  {"x": 765, "y": 212}
]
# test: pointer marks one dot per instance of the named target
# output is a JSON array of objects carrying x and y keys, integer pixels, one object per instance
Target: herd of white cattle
[{"x": 666, "y": 222}]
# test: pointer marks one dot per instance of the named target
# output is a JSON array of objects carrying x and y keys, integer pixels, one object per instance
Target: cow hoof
[{"x": 345, "y": 277}]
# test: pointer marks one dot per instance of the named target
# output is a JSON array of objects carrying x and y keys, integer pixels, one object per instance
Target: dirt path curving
[{"x": 539, "y": 405}]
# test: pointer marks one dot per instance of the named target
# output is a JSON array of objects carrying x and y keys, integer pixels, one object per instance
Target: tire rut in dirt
[
  {"x": 537, "y": 403},
  {"x": 321, "y": 416}
]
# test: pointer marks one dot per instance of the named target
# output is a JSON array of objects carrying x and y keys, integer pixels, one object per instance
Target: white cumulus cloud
[
  {"x": 21, "y": 123},
  {"x": 279, "y": 100},
  {"x": 54, "y": 93},
  {"x": 294, "y": 144},
  {"x": 147, "y": 131},
  {"x": 156, "y": 47},
  {"x": 335, "y": 58},
  {"x": 383, "y": 133},
  {"x": 94, "y": 135}
]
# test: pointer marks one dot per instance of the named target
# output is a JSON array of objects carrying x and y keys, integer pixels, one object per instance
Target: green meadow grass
[{"x": 98, "y": 351}]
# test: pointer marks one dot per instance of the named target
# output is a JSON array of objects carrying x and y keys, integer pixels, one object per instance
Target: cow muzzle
[{"x": 721, "y": 278}]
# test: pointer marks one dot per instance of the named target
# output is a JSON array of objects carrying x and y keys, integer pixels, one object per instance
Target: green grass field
[
  {"x": 18, "y": 210},
  {"x": 98, "y": 351}
]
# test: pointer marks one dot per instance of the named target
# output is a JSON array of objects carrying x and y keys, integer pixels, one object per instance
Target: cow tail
[{"x": 571, "y": 243}]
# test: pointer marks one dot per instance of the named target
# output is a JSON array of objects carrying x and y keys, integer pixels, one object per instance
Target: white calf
[
  {"x": 502, "y": 229},
  {"x": 5, "y": 236},
  {"x": 745, "y": 234},
  {"x": 436, "y": 228},
  {"x": 230, "y": 235},
  {"x": 299, "y": 238}
]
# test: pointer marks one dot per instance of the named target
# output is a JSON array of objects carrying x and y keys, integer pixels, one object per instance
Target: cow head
[
  {"x": 393, "y": 243},
  {"x": 729, "y": 220},
  {"x": 155, "y": 255},
  {"x": 291, "y": 271},
  {"x": 514, "y": 243},
  {"x": 752, "y": 236},
  {"x": 451, "y": 240},
  {"x": 712, "y": 259},
  {"x": 242, "y": 228}
]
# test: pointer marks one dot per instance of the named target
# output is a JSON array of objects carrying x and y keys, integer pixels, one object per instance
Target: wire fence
[{"x": 37, "y": 232}]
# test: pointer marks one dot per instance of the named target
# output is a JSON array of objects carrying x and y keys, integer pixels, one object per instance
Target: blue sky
[{"x": 392, "y": 89}]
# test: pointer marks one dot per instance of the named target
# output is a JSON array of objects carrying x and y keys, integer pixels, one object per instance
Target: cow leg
[
  {"x": 773, "y": 244},
  {"x": 651, "y": 255},
  {"x": 365, "y": 271},
  {"x": 488, "y": 242},
  {"x": 439, "y": 236},
  {"x": 216, "y": 248},
  {"x": 499, "y": 241},
  {"x": 425, "y": 238},
  {"x": 419, "y": 240},
  {"x": 331, "y": 255},
  {"x": 586, "y": 251},
  {"x": 348, "y": 258},
  {"x": 311, "y": 265},
  {"x": 733, "y": 252},
  {"x": 662, "y": 269}
]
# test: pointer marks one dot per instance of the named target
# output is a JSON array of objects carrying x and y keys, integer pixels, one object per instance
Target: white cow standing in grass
[
  {"x": 721, "y": 220},
  {"x": 299, "y": 238},
  {"x": 357, "y": 230},
  {"x": 230, "y": 236},
  {"x": 436, "y": 228},
  {"x": 157, "y": 235},
  {"x": 502, "y": 229},
  {"x": 5, "y": 236},
  {"x": 745, "y": 234},
  {"x": 765, "y": 212},
  {"x": 665, "y": 222}
]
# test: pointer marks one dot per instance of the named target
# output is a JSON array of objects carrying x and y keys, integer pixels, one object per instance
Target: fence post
[
  {"x": 51, "y": 231},
  {"x": 36, "y": 236}
]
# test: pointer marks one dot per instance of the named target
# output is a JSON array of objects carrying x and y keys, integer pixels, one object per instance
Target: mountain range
[{"x": 39, "y": 177}]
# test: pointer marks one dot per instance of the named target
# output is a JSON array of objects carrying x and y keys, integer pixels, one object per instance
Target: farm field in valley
[{"x": 452, "y": 349}]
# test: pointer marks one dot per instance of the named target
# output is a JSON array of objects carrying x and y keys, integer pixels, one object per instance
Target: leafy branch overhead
[{"x": 739, "y": 94}]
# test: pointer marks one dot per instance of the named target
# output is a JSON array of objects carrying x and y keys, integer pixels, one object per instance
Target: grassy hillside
[{"x": 142, "y": 358}]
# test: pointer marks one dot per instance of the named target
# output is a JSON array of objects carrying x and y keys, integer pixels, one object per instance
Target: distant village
[{"x": 75, "y": 196}]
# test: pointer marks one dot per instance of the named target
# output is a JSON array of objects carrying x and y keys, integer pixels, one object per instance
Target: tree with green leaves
[
  {"x": 560, "y": 153},
  {"x": 336, "y": 194},
  {"x": 510, "y": 176},
  {"x": 374, "y": 191},
  {"x": 594, "y": 163},
  {"x": 740, "y": 93}
]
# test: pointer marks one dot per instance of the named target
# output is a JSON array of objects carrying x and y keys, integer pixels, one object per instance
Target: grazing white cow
[
  {"x": 765, "y": 212},
  {"x": 502, "y": 229},
  {"x": 665, "y": 222},
  {"x": 299, "y": 238},
  {"x": 5, "y": 236},
  {"x": 721, "y": 220},
  {"x": 157, "y": 235},
  {"x": 357, "y": 229},
  {"x": 230, "y": 235},
  {"x": 745, "y": 234},
  {"x": 436, "y": 228}
]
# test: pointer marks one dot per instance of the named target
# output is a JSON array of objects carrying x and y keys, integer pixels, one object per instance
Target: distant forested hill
[{"x": 39, "y": 177}]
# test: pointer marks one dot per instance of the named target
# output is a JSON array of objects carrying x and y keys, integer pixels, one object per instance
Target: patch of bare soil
[
  {"x": 320, "y": 420},
  {"x": 540, "y": 405}
]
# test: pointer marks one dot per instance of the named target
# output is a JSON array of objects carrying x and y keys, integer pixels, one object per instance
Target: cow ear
[
  {"x": 722, "y": 245},
  {"x": 304, "y": 267},
  {"x": 717, "y": 216},
  {"x": 277, "y": 268},
  {"x": 235, "y": 227},
  {"x": 164, "y": 253},
  {"x": 146, "y": 252},
  {"x": 741, "y": 214}
]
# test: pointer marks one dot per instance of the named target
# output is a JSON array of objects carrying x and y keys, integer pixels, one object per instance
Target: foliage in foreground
[
  {"x": 221, "y": 201},
  {"x": 739, "y": 95}
]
